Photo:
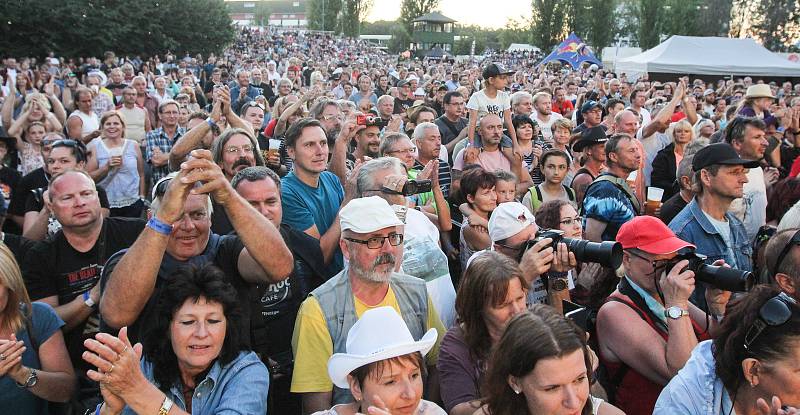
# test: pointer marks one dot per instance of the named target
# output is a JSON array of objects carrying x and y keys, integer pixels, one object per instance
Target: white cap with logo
[{"x": 509, "y": 219}]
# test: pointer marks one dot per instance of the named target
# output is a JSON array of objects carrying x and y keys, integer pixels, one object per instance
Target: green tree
[
  {"x": 649, "y": 19},
  {"x": 600, "y": 24},
  {"x": 549, "y": 22},
  {"x": 776, "y": 23},
  {"x": 324, "y": 14},
  {"x": 353, "y": 13},
  {"x": 411, "y": 9},
  {"x": 681, "y": 17},
  {"x": 90, "y": 27},
  {"x": 515, "y": 31},
  {"x": 714, "y": 18},
  {"x": 262, "y": 14}
]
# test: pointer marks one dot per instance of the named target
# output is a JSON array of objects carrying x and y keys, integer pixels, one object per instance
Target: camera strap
[
  {"x": 622, "y": 185},
  {"x": 643, "y": 309}
]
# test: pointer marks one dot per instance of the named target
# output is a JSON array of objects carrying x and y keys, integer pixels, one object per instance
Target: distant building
[
  {"x": 430, "y": 31},
  {"x": 281, "y": 13}
]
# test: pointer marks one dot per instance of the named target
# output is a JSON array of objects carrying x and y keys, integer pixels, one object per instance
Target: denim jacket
[
  {"x": 692, "y": 225},
  {"x": 240, "y": 387},
  {"x": 696, "y": 389}
]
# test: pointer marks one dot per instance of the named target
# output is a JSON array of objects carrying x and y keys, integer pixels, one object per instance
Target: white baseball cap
[
  {"x": 509, "y": 219},
  {"x": 379, "y": 334},
  {"x": 368, "y": 214}
]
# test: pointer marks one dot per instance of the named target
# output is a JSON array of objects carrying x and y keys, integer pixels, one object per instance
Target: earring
[{"x": 516, "y": 391}]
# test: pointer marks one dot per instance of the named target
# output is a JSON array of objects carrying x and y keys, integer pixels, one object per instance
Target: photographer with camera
[
  {"x": 643, "y": 336},
  {"x": 719, "y": 178},
  {"x": 512, "y": 229}
]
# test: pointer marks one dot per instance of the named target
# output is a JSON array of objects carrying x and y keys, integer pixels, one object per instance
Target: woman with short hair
[{"x": 383, "y": 367}]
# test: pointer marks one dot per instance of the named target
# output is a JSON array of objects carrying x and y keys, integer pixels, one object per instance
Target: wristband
[
  {"x": 87, "y": 299},
  {"x": 163, "y": 228},
  {"x": 97, "y": 411},
  {"x": 210, "y": 122}
]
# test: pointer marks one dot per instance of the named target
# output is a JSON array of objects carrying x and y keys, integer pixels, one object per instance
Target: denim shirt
[
  {"x": 696, "y": 389},
  {"x": 692, "y": 225},
  {"x": 238, "y": 388}
]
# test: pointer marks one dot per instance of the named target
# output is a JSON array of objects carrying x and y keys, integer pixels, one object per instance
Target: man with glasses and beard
[{"x": 372, "y": 241}]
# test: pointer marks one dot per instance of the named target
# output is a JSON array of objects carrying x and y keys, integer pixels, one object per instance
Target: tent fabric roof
[
  {"x": 708, "y": 56},
  {"x": 521, "y": 46},
  {"x": 434, "y": 17}
]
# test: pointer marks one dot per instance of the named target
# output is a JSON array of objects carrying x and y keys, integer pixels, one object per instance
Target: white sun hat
[{"x": 379, "y": 334}]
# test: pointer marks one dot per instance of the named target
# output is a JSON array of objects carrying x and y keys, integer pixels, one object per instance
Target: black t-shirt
[
  {"x": 266, "y": 90},
  {"x": 18, "y": 245},
  {"x": 672, "y": 207},
  {"x": 55, "y": 268},
  {"x": 275, "y": 305},
  {"x": 220, "y": 224},
  {"x": 222, "y": 251},
  {"x": 33, "y": 180},
  {"x": 401, "y": 105},
  {"x": 9, "y": 181}
]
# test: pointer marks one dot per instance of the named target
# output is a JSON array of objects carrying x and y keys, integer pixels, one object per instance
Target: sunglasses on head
[
  {"x": 775, "y": 312},
  {"x": 785, "y": 251}
]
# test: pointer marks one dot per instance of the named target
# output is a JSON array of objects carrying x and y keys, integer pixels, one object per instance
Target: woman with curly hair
[{"x": 192, "y": 361}]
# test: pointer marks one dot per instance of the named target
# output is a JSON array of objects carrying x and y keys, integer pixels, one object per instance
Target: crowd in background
[{"x": 307, "y": 224}]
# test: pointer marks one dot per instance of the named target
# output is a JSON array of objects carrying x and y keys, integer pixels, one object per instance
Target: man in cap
[
  {"x": 592, "y": 112},
  {"x": 719, "y": 178},
  {"x": 372, "y": 242},
  {"x": 511, "y": 226},
  {"x": 709, "y": 102},
  {"x": 610, "y": 201},
  {"x": 592, "y": 143},
  {"x": 404, "y": 99},
  {"x": 648, "y": 328}
]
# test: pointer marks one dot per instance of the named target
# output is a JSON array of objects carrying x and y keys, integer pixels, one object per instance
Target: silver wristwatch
[
  {"x": 33, "y": 378},
  {"x": 675, "y": 312}
]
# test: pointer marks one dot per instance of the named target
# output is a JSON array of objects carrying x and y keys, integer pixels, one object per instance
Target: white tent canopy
[
  {"x": 522, "y": 47},
  {"x": 708, "y": 56}
]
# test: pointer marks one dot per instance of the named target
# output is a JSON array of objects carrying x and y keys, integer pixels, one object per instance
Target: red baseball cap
[{"x": 650, "y": 235}]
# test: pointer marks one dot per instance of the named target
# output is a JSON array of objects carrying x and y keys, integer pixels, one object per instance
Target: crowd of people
[{"x": 305, "y": 224}]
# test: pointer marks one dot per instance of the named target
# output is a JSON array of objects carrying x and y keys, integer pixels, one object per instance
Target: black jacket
[{"x": 665, "y": 172}]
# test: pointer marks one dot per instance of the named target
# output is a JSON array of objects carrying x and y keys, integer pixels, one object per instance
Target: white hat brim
[{"x": 341, "y": 364}]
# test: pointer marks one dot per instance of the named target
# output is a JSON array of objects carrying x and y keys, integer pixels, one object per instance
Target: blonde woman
[
  {"x": 665, "y": 165},
  {"x": 116, "y": 165},
  {"x": 34, "y": 364}
]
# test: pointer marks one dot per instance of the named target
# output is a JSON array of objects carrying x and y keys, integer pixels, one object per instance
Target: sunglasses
[
  {"x": 785, "y": 251},
  {"x": 160, "y": 189},
  {"x": 775, "y": 312}
]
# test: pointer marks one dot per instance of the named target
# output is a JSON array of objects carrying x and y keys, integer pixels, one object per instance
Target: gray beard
[{"x": 371, "y": 275}]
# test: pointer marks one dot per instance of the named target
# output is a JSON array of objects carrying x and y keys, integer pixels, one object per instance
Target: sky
[{"x": 479, "y": 12}]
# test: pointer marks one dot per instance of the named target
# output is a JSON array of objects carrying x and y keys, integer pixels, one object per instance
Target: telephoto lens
[
  {"x": 607, "y": 254},
  {"x": 724, "y": 278}
]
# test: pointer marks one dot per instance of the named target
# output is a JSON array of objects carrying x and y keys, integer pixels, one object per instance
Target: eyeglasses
[
  {"x": 160, "y": 189},
  {"x": 775, "y": 312},
  {"x": 332, "y": 117},
  {"x": 656, "y": 264},
  {"x": 247, "y": 149},
  {"x": 785, "y": 251},
  {"x": 411, "y": 150},
  {"x": 577, "y": 220},
  {"x": 377, "y": 241}
]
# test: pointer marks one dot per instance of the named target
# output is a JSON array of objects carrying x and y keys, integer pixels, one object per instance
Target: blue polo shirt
[{"x": 305, "y": 206}]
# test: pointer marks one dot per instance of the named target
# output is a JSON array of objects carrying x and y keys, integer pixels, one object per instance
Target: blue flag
[{"x": 573, "y": 51}]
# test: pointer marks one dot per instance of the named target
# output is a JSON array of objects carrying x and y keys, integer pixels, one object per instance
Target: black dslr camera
[
  {"x": 607, "y": 254},
  {"x": 413, "y": 187},
  {"x": 724, "y": 278}
]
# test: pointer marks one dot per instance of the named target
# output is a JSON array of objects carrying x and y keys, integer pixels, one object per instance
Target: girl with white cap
[{"x": 383, "y": 367}]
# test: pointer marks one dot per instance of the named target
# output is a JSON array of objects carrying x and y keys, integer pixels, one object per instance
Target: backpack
[{"x": 536, "y": 196}]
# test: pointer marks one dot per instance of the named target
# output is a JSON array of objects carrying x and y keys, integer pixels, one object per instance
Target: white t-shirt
[
  {"x": 751, "y": 209},
  {"x": 652, "y": 145},
  {"x": 545, "y": 127},
  {"x": 485, "y": 105},
  {"x": 424, "y": 259}
]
